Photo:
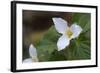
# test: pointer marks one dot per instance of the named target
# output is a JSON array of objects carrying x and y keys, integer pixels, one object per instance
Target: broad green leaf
[
  {"x": 47, "y": 44},
  {"x": 57, "y": 56}
]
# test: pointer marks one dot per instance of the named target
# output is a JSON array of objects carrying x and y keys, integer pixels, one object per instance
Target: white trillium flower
[
  {"x": 33, "y": 55},
  {"x": 67, "y": 32}
]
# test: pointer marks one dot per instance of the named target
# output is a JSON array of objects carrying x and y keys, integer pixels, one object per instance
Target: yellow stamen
[{"x": 69, "y": 33}]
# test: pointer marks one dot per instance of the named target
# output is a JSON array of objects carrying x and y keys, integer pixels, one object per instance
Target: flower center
[{"x": 69, "y": 33}]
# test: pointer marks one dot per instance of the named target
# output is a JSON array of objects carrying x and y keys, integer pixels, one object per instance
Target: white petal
[
  {"x": 76, "y": 29},
  {"x": 60, "y": 25},
  {"x": 29, "y": 60},
  {"x": 32, "y": 51},
  {"x": 63, "y": 42}
]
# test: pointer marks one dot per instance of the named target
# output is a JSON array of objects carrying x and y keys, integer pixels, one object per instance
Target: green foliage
[
  {"x": 47, "y": 44},
  {"x": 78, "y": 49}
]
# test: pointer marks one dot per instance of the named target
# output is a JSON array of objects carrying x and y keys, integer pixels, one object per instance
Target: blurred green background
[{"x": 39, "y": 30}]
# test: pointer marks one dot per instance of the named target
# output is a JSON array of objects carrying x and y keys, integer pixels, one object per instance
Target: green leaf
[
  {"x": 47, "y": 44},
  {"x": 57, "y": 56}
]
